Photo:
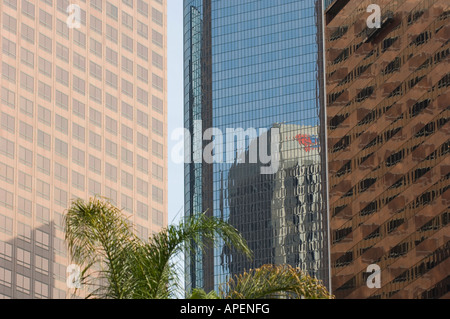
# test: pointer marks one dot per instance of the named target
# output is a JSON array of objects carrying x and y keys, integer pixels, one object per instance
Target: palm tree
[{"x": 118, "y": 265}]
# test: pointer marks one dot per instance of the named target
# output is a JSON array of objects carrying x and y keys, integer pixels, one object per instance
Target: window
[
  {"x": 127, "y": 43},
  {"x": 95, "y": 93},
  {"x": 142, "y": 187},
  {"x": 43, "y": 164},
  {"x": 111, "y": 148},
  {"x": 5, "y": 277},
  {"x": 61, "y": 197},
  {"x": 142, "y": 51},
  {"x": 96, "y": 47},
  {"x": 23, "y": 284},
  {"x": 25, "y": 181},
  {"x": 112, "y": 11},
  {"x": 127, "y": 65},
  {"x": 79, "y": 38},
  {"x": 142, "y": 96},
  {"x": 9, "y": 47},
  {"x": 27, "y": 33},
  {"x": 5, "y": 253},
  {"x": 142, "y": 164},
  {"x": 157, "y": 82},
  {"x": 26, "y": 131},
  {"x": 41, "y": 265},
  {"x": 27, "y": 57},
  {"x": 95, "y": 164},
  {"x": 42, "y": 214},
  {"x": 157, "y": 38},
  {"x": 45, "y": 19},
  {"x": 142, "y": 141},
  {"x": 95, "y": 117},
  {"x": 24, "y": 206},
  {"x": 8, "y": 123},
  {"x": 42, "y": 189},
  {"x": 8, "y": 97},
  {"x": 9, "y": 23},
  {"x": 127, "y": 110},
  {"x": 142, "y": 7},
  {"x": 142, "y": 119},
  {"x": 111, "y": 195},
  {"x": 43, "y": 139},
  {"x": 111, "y": 79},
  {"x": 157, "y": 16},
  {"x": 62, "y": 76},
  {"x": 78, "y": 132},
  {"x": 61, "y": 148},
  {"x": 111, "y": 102},
  {"x": 62, "y": 29},
  {"x": 78, "y": 108},
  {"x": 78, "y": 85},
  {"x": 157, "y": 194},
  {"x": 44, "y": 115},
  {"x": 157, "y": 127},
  {"x": 78, "y": 181},
  {"x": 45, "y": 43},
  {"x": 157, "y": 149},
  {"x": 111, "y": 172},
  {"x": 59, "y": 247},
  {"x": 23, "y": 231},
  {"x": 111, "y": 33},
  {"x": 97, "y": 4},
  {"x": 127, "y": 88},
  {"x": 127, "y": 157},
  {"x": 142, "y": 29},
  {"x": 6, "y": 224},
  {"x": 127, "y": 180},
  {"x": 157, "y": 217},
  {"x": 95, "y": 188},
  {"x": 79, "y": 61},
  {"x": 127, "y": 20},
  {"x": 6, "y": 147},
  {"x": 157, "y": 104},
  {"x": 96, "y": 24},
  {"x": 28, "y": 9},
  {"x": 111, "y": 56},
  {"x": 78, "y": 156},
  {"x": 23, "y": 258},
  {"x": 95, "y": 140},
  {"x": 142, "y": 210},
  {"x": 25, "y": 156},
  {"x": 127, "y": 133},
  {"x": 62, "y": 100},
  {"x": 157, "y": 60},
  {"x": 42, "y": 239},
  {"x": 142, "y": 74},
  {"x": 45, "y": 91},
  {"x": 61, "y": 173},
  {"x": 61, "y": 124},
  {"x": 142, "y": 232},
  {"x": 26, "y": 107},
  {"x": 9, "y": 72},
  {"x": 6, "y": 173},
  {"x": 127, "y": 203},
  {"x": 157, "y": 172},
  {"x": 111, "y": 125}
]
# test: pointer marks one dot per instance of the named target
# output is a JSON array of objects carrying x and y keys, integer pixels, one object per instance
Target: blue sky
[{"x": 175, "y": 102}]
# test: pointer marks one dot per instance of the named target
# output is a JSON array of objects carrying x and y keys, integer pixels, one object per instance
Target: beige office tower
[{"x": 83, "y": 113}]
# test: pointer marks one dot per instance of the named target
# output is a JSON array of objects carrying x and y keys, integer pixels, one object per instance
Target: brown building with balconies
[{"x": 388, "y": 146}]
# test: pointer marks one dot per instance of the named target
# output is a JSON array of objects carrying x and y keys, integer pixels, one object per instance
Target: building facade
[
  {"x": 83, "y": 113},
  {"x": 388, "y": 148},
  {"x": 253, "y": 67}
]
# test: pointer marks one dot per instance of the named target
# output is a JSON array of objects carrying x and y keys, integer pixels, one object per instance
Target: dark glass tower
[{"x": 256, "y": 66}]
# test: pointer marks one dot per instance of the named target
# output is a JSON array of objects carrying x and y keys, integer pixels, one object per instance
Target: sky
[{"x": 175, "y": 104}]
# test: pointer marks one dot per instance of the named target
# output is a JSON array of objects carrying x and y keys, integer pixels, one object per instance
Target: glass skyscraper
[{"x": 253, "y": 68}]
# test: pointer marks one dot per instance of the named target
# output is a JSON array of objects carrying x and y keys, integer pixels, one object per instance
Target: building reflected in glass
[{"x": 256, "y": 67}]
